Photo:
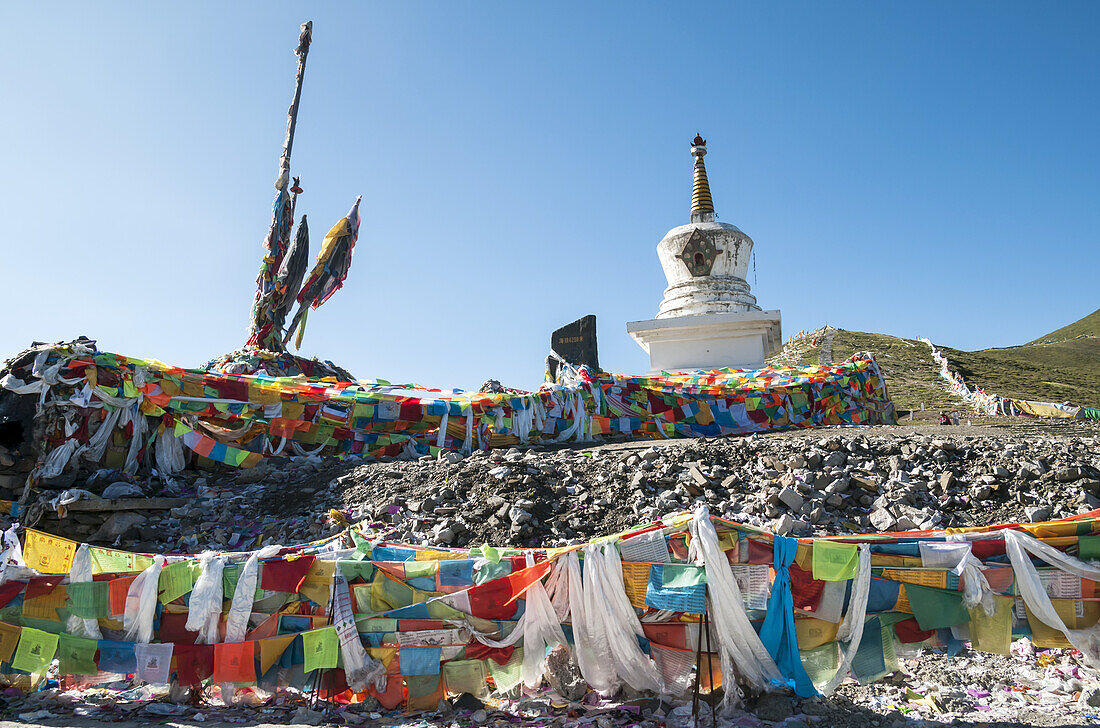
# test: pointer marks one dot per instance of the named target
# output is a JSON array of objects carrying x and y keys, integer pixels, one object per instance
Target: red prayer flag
[
  {"x": 285, "y": 575},
  {"x": 235, "y": 662},
  {"x": 194, "y": 663}
]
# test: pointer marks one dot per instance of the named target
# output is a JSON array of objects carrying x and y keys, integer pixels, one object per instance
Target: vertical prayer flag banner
[
  {"x": 35, "y": 651},
  {"x": 48, "y": 554},
  {"x": 235, "y": 662},
  {"x": 76, "y": 656},
  {"x": 834, "y": 561},
  {"x": 321, "y": 648}
]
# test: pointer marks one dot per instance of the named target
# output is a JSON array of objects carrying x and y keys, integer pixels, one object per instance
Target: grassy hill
[
  {"x": 1088, "y": 326},
  {"x": 1066, "y": 370}
]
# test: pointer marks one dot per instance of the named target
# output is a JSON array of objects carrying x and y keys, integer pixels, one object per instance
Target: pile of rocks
[{"x": 852, "y": 480}]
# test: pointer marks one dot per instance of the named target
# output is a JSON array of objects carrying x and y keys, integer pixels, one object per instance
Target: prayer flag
[
  {"x": 9, "y": 638},
  {"x": 235, "y": 662},
  {"x": 89, "y": 599},
  {"x": 35, "y": 650},
  {"x": 115, "y": 656},
  {"x": 194, "y": 663},
  {"x": 936, "y": 608},
  {"x": 834, "y": 561},
  {"x": 154, "y": 662},
  {"x": 48, "y": 554},
  {"x": 77, "y": 656},
  {"x": 321, "y": 648},
  {"x": 271, "y": 649},
  {"x": 420, "y": 660}
]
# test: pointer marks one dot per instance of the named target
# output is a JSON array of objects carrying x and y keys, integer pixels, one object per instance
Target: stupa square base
[{"x": 709, "y": 341}]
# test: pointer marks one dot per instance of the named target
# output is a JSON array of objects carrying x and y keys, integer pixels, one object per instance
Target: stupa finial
[{"x": 702, "y": 206}]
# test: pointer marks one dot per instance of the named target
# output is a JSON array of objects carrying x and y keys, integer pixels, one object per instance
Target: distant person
[{"x": 945, "y": 419}]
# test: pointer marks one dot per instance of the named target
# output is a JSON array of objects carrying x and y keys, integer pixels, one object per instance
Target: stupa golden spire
[{"x": 702, "y": 206}]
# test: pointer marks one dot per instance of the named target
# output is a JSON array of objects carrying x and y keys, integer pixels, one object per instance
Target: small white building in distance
[{"x": 708, "y": 318}]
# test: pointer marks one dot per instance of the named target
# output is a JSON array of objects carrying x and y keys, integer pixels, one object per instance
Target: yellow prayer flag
[
  {"x": 9, "y": 638},
  {"x": 432, "y": 555},
  {"x": 384, "y": 655},
  {"x": 636, "y": 579},
  {"x": 46, "y": 606},
  {"x": 318, "y": 582},
  {"x": 992, "y": 633},
  {"x": 48, "y": 554},
  {"x": 813, "y": 632},
  {"x": 271, "y": 649}
]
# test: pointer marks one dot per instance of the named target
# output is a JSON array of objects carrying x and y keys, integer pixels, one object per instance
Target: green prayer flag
[
  {"x": 110, "y": 561},
  {"x": 321, "y": 648},
  {"x": 821, "y": 663},
  {"x": 936, "y": 608},
  {"x": 362, "y": 545},
  {"x": 1088, "y": 548},
  {"x": 683, "y": 576},
  {"x": 89, "y": 599},
  {"x": 356, "y": 569},
  {"x": 35, "y": 651},
  {"x": 835, "y": 561},
  {"x": 414, "y": 569},
  {"x": 876, "y": 656},
  {"x": 77, "y": 656},
  {"x": 508, "y": 675},
  {"x": 177, "y": 579},
  {"x": 231, "y": 574}
]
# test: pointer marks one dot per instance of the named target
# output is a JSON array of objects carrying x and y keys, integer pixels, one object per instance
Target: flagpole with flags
[{"x": 263, "y": 331}]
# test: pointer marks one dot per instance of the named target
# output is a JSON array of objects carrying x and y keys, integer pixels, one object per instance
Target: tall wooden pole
[
  {"x": 262, "y": 327},
  {"x": 301, "y": 51}
]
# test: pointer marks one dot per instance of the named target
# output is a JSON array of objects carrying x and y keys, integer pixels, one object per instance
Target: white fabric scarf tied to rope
[{"x": 740, "y": 650}]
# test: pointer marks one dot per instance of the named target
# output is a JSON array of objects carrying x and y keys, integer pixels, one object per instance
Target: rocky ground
[{"x": 825, "y": 481}]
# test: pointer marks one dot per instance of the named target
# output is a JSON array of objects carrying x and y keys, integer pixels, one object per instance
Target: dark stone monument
[{"x": 576, "y": 343}]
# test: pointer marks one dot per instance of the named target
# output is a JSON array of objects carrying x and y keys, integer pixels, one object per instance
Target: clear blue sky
[{"x": 926, "y": 168}]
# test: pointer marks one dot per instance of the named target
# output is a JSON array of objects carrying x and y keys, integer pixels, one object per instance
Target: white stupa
[{"x": 708, "y": 317}]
